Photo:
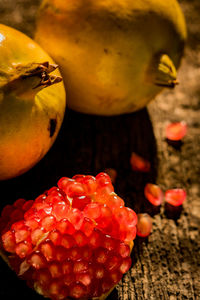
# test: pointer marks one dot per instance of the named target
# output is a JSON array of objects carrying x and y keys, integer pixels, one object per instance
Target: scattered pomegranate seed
[
  {"x": 144, "y": 225},
  {"x": 73, "y": 240},
  {"x": 175, "y": 197},
  {"x": 153, "y": 193},
  {"x": 138, "y": 163},
  {"x": 176, "y": 131}
]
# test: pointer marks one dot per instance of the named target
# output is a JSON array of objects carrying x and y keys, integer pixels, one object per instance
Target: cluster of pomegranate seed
[{"x": 73, "y": 241}]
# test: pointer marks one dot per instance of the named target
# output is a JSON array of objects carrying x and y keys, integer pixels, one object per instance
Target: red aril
[
  {"x": 176, "y": 131},
  {"x": 153, "y": 193},
  {"x": 175, "y": 197}
]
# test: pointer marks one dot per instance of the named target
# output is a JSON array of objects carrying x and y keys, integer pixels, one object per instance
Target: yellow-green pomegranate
[
  {"x": 32, "y": 102},
  {"x": 115, "y": 55}
]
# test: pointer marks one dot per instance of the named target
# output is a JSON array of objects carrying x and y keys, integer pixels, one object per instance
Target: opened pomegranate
[{"x": 72, "y": 241}]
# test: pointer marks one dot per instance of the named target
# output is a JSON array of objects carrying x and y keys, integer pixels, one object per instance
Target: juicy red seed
[
  {"x": 19, "y": 203},
  {"x": 55, "y": 237},
  {"x": 123, "y": 250},
  {"x": 49, "y": 223},
  {"x": 74, "y": 253},
  {"x": 80, "y": 201},
  {"x": 87, "y": 226},
  {"x": 115, "y": 276},
  {"x": 125, "y": 265},
  {"x": 43, "y": 277},
  {"x": 80, "y": 266},
  {"x": 176, "y": 131},
  {"x": 48, "y": 250},
  {"x": 114, "y": 201},
  {"x": 37, "y": 260},
  {"x": 85, "y": 278},
  {"x": 77, "y": 290},
  {"x": 27, "y": 205},
  {"x": 153, "y": 193},
  {"x": 61, "y": 253},
  {"x": 125, "y": 216},
  {"x": 37, "y": 235},
  {"x": 31, "y": 214},
  {"x": 86, "y": 252},
  {"x": 32, "y": 224},
  {"x": 76, "y": 217},
  {"x": 64, "y": 181},
  {"x": 99, "y": 271},
  {"x": 74, "y": 189},
  {"x": 106, "y": 285},
  {"x": 109, "y": 243},
  {"x": 144, "y": 225},
  {"x": 78, "y": 178},
  {"x": 90, "y": 184},
  {"x": 94, "y": 239},
  {"x": 113, "y": 262},
  {"x": 103, "y": 179},
  {"x": 8, "y": 240},
  {"x": 60, "y": 210},
  {"x": 175, "y": 197},
  {"x": 130, "y": 233},
  {"x": 105, "y": 217},
  {"x": 55, "y": 269},
  {"x": 100, "y": 255},
  {"x": 22, "y": 234},
  {"x": 67, "y": 241},
  {"x": 23, "y": 249},
  {"x": 16, "y": 215},
  {"x": 67, "y": 267},
  {"x": 55, "y": 195},
  {"x": 92, "y": 210},
  {"x": 138, "y": 163},
  {"x": 64, "y": 226},
  {"x": 80, "y": 238},
  {"x": 69, "y": 279},
  {"x": 7, "y": 210},
  {"x": 55, "y": 287}
]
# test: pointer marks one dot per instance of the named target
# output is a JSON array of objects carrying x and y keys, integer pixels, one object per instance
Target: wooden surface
[{"x": 167, "y": 264}]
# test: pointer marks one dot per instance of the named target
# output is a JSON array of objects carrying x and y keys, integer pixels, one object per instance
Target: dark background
[{"x": 166, "y": 265}]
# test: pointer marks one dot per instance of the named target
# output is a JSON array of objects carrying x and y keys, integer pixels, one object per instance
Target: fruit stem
[
  {"x": 164, "y": 71},
  {"x": 26, "y": 81}
]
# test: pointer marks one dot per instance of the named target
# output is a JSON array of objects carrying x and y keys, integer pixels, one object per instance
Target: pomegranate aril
[
  {"x": 114, "y": 201},
  {"x": 48, "y": 222},
  {"x": 23, "y": 249},
  {"x": 7, "y": 210},
  {"x": 87, "y": 226},
  {"x": 77, "y": 290},
  {"x": 16, "y": 215},
  {"x": 100, "y": 255},
  {"x": 67, "y": 241},
  {"x": 115, "y": 276},
  {"x": 92, "y": 210},
  {"x": 80, "y": 238},
  {"x": 144, "y": 225},
  {"x": 61, "y": 253},
  {"x": 90, "y": 184},
  {"x": 99, "y": 271},
  {"x": 64, "y": 182},
  {"x": 175, "y": 197},
  {"x": 64, "y": 226},
  {"x": 27, "y": 205},
  {"x": 22, "y": 234},
  {"x": 103, "y": 179},
  {"x": 74, "y": 253},
  {"x": 105, "y": 217},
  {"x": 94, "y": 240},
  {"x": 60, "y": 210},
  {"x": 108, "y": 242},
  {"x": 8, "y": 240},
  {"x": 56, "y": 195},
  {"x": 153, "y": 193},
  {"x": 48, "y": 250},
  {"x": 55, "y": 287},
  {"x": 74, "y": 189},
  {"x": 37, "y": 260},
  {"x": 76, "y": 218},
  {"x": 123, "y": 249},
  {"x": 86, "y": 252},
  {"x": 176, "y": 131},
  {"x": 84, "y": 277},
  {"x": 130, "y": 233},
  {"x": 80, "y": 201},
  {"x": 138, "y": 163},
  {"x": 80, "y": 266},
  {"x": 125, "y": 265},
  {"x": 55, "y": 236},
  {"x": 19, "y": 203},
  {"x": 69, "y": 279},
  {"x": 113, "y": 262},
  {"x": 67, "y": 267},
  {"x": 37, "y": 235},
  {"x": 55, "y": 269}
]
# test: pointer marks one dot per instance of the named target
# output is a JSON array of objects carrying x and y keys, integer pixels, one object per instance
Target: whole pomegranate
[
  {"x": 115, "y": 56},
  {"x": 31, "y": 106}
]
